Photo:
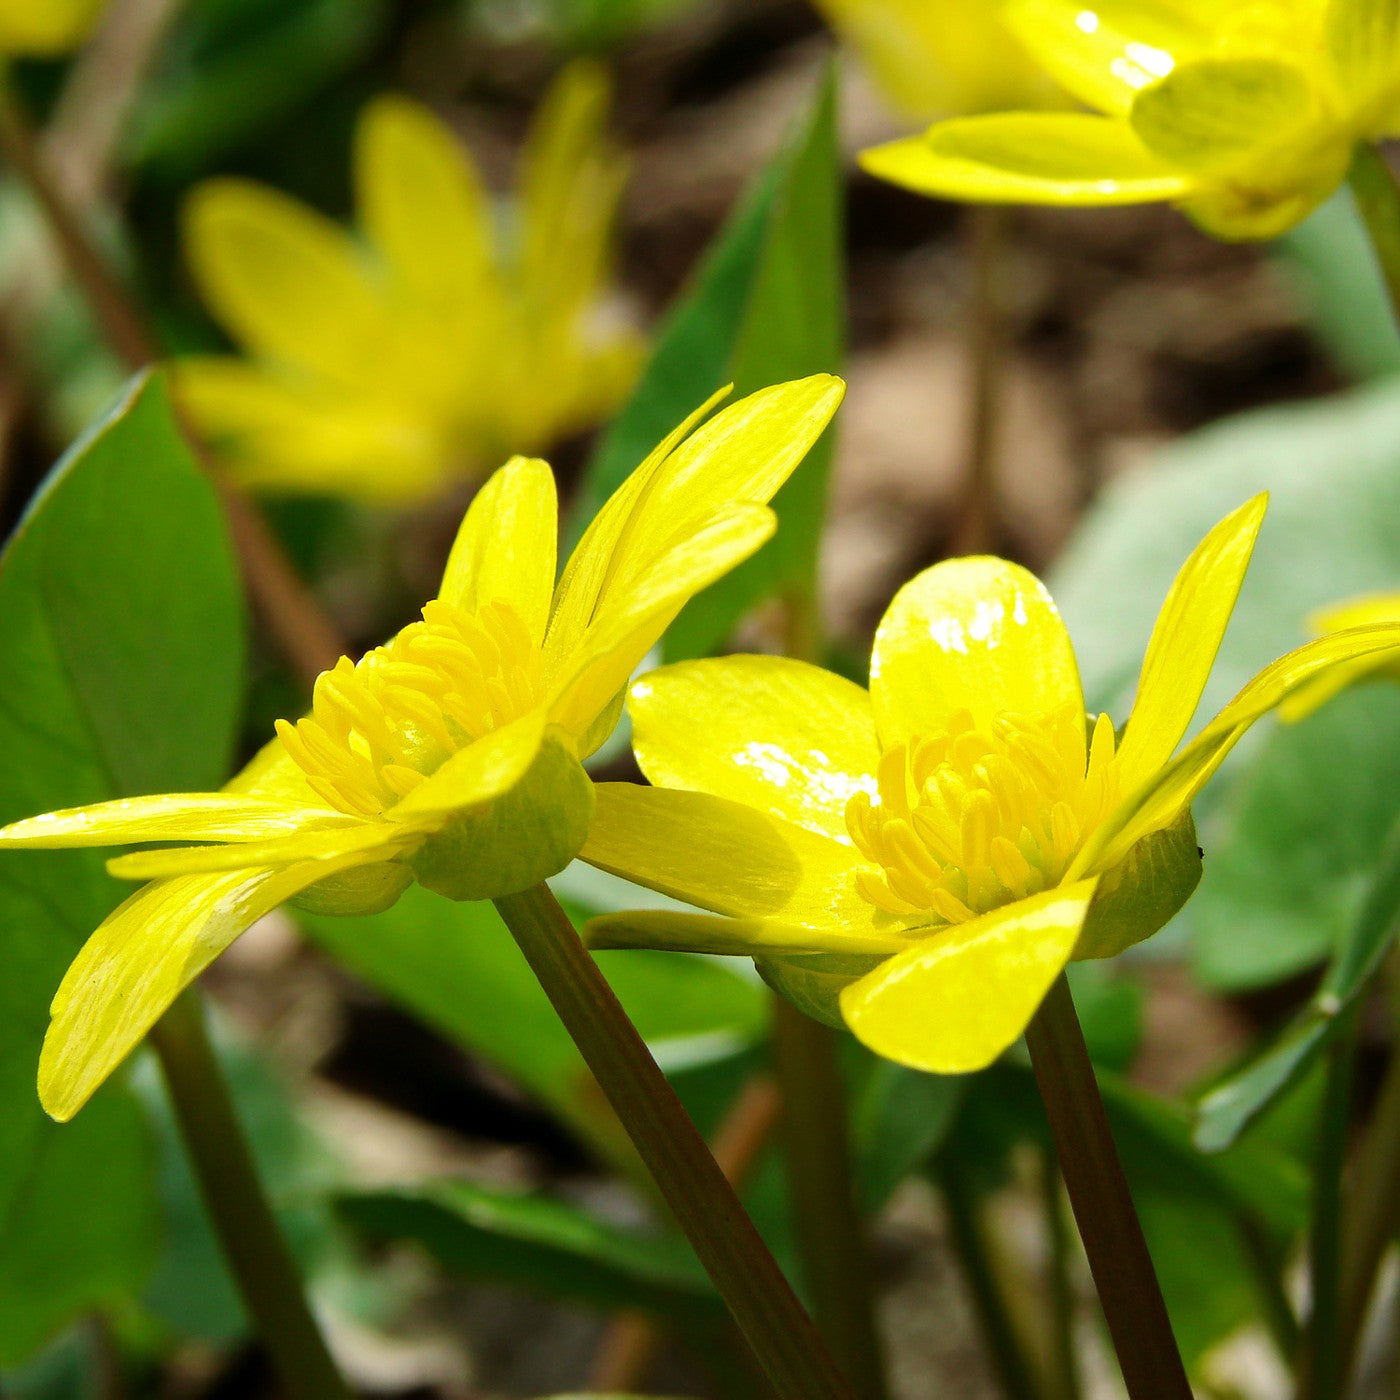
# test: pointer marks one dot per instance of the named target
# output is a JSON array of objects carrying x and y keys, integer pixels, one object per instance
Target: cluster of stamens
[
  {"x": 378, "y": 727},
  {"x": 966, "y": 820}
]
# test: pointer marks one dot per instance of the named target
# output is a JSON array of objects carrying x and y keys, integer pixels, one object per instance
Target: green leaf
[
  {"x": 766, "y": 306},
  {"x": 539, "y": 1243},
  {"x": 1231, "y": 1106},
  {"x": 121, "y": 627},
  {"x": 457, "y": 967},
  {"x": 899, "y": 1119}
]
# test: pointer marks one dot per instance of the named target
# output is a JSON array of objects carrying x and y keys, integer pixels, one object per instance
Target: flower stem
[
  {"x": 705, "y": 1206},
  {"x": 830, "y": 1232},
  {"x": 977, "y": 1254},
  {"x": 306, "y": 635},
  {"x": 1377, "y": 196},
  {"x": 1103, "y": 1208},
  {"x": 262, "y": 1265}
]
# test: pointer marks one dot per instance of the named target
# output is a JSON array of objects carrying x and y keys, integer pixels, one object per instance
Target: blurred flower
[
  {"x": 1246, "y": 115},
  {"x": 923, "y": 859},
  {"x": 453, "y": 753},
  {"x": 45, "y": 27},
  {"x": 455, "y": 334},
  {"x": 1365, "y": 611},
  {"x": 935, "y": 58}
]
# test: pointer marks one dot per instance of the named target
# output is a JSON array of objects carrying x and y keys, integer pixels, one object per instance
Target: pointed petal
[
  {"x": 370, "y": 841},
  {"x": 1185, "y": 640},
  {"x": 1105, "y": 53},
  {"x": 505, "y": 548},
  {"x": 1171, "y": 789},
  {"x": 139, "y": 960},
  {"x": 1337, "y": 617},
  {"x": 181, "y": 816},
  {"x": 746, "y": 938},
  {"x": 284, "y": 280},
  {"x": 782, "y": 736},
  {"x": 978, "y": 634},
  {"x": 1057, "y": 158},
  {"x": 953, "y": 1002},
  {"x": 729, "y": 859},
  {"x": 421, "y": 202}
]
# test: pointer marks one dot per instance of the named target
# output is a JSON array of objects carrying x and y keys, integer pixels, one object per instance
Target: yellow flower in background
[
  {"x": 1367, "y": 610},
  {"x": 451, "y": 755},
  {"x": 921, "y": 860},
  {"x": 454, "y": 333},
  {"x": 935, "y": 58},
  {"x": 41, "y": 28},
  {"x": 1246, "y": 115}
]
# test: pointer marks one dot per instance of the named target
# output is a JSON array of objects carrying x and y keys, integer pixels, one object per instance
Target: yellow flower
[
  {"x": 922, "y": 859},
  {"x": 1245, "y": 114},
  {"x": 453, "y": 753},
  {"x": 934, "y": 58},
  {"x": 1364, "y": 611},
  {"x": 454, "y": 334},
  {"x": 43, "y": 28}
]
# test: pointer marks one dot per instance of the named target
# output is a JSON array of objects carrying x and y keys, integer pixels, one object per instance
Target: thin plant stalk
[
  {"x": 829, "y": 1229},
  {"x": 301, "y": 627},
  {"x": 1063, "y": 1363},
  {"x": 782, "y": 1336},
  {"x": 1278, "y": 1314},
  {"x": 1103, "y": 1208},
  {"x": 978, "y": 1255},
  {"x": 1377, "y": 195},
  {"x": 263, "y": 1268}
]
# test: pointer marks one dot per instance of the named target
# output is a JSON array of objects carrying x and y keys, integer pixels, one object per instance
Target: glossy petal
[
  {"x": 729, "y": 859},
  {"x": 369, "y": 841},
  {"x": 140, "y": 959},
  {"x": 747, "y": 938},
  {"x": 978, "y": 634},
  {"x": 1105, "y": 53},
  {"x": 181, "y": 816},
  {"x": 1029, "y": 158},
  {"x": 1213, "y": 114},
  {"x": 477, "y": 774},
  {"x": 784, "y": 737},
  {"x": 1171, "y": 789},
  {"x": 954, "y": 1001},
  {"x": 285, "y": 281},
  {"x": 1185, "y": 640},
  {"x": 505, "y": 547},
  {"x": 1352, "y": 612},
  {"x": 421, "y": 202}
]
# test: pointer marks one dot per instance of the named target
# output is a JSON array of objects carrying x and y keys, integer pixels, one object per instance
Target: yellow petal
[
  {"x": 978, "y": 634},
  {"x": 728, "y": 859},
  {"x": 632, "y": 623},
  {"x": 1171, "y": 789},
  {"x": 953, "y": 1002},
  {"x": 45, "y": 27},
  {"x": 747, "y": 938},
  {"x": 182, "y": 816},
  {"x": 1363, "y": 42},
  {"x": 285, "y": 281},
  {"x": 1105, "y": 53},
  {"x": 482, "y": 771},
  {"x": 782, "y": 736},
  {"x": 505, "y": 548},
  {"x": 421, "y": 202},
  {"x": 273, "y": 774},
  {"x": 1213, "y": 114},
  {"x": 370, "y": 841},
  {"x": 1029, "y": 158},
  {"x": 145, "y": 953},
  {"x": 1352, "y": 612},
  {"x": 1185, "y": 640}
]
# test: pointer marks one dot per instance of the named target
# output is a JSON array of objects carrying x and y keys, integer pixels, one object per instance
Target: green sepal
[
  {"x": 813, "y": 982},
  {"x": 363, "y": 889},
  {"x": 1142, "y": 891},
  {"x": 511, "y": 844}
]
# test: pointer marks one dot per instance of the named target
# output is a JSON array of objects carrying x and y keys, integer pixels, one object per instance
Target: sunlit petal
[{"x": 368, "y": 841}]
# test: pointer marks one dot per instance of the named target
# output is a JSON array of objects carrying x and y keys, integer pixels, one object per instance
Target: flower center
[
  {"x": 378, "y": 727},
  {"x": 966, "y": 821}
]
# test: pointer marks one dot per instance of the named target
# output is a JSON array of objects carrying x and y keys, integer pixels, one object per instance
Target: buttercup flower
[
  {"x": 921, "y": 860},
  {"x": 935, "y": 58},
  {"x": 451, "y": 754},
  {"x": 45, "y": 27},
  {"x": 453, "y": 334},
  {"x": 1246, "y": 115}
]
